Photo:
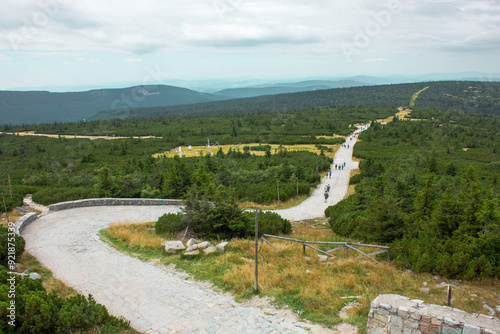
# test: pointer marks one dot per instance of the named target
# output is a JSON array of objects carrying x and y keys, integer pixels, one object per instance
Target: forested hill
[
  {"x": 474, "y": 96},
  {"x": 481, "y": 97},
  {"x": 284, "y": 88},
  {"x": 46, "y": 107}
]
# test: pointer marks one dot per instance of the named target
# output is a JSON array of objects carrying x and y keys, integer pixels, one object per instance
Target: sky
[{"x": 63, "y": 44}]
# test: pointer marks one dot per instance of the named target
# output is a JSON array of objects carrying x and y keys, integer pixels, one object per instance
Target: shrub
[
  {"x": 170, "y": 223},
  {"x": 48, "y": 196},
  {"x": 12, "y": 244},
  {"x": 269, "y": 223}
]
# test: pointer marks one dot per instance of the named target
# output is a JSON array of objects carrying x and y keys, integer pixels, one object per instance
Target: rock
[
  {"x": 424, "y": 290},
  {"x": 221, "y": 246},
  {"x": 424, "y": 284},
  {"x": 322, "y": 257},
  {"x": 35, "y": 276},
  {"x": 192, "y": 242},
  {"x": 26, "y": 272},
  {"x": 201, "y": 245},
  {"x": 193, "y": 252},
  {"x": 173, "y": 246},
  {"x": 210, "y": 250}
]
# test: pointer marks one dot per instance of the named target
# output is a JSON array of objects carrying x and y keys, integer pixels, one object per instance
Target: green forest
[
  {"x": 61, "y": 169},
  {"x": 429, "y": 189}
]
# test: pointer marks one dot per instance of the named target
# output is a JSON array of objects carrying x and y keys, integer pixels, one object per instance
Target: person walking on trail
[
  {"x": 328, "y": 188},
  {"x": 326, "y": 196}
]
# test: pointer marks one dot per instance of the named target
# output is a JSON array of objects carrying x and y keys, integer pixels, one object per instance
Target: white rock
[
  {"x": 210, "y": 250},
  {"x": 193, "y": 252},
  {"x": 192, "y": 242},
  {"x": 35, "y": 276},
  {"x": 174, "y": 246},
  {"x": 221, "y": 246},
  {"x": 201, "y": 245},
  {"x": 322, "y": 257}
]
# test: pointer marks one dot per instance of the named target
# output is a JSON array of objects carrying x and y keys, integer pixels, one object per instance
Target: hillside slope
[{"x": 17, "y": 107}]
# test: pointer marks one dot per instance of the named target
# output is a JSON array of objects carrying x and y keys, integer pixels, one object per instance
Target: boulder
[
  {"x": 221, "y": 246},
  {"x": 210, "y": 250},
  {"x": 173, "y": 246},
  {"x": 193, "y": 252},
  {"x": 201, "y": 245},
  {"x": 322, "y": 258},
  {"x": 35, "y": 276},
  {"x": 192, "y": 242}
]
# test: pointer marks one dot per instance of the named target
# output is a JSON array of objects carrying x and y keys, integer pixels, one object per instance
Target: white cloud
[{"x": 132, "y": 60}]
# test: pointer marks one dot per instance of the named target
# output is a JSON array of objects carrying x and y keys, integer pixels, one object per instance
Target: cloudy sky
[{"x": 95, "y": 43}]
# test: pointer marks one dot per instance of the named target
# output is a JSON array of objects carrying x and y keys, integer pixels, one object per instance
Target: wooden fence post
[
  {"x": 256, "y": 283},
  {"x": 449, "y": 295},
  {"x": 304, "y": 248}
]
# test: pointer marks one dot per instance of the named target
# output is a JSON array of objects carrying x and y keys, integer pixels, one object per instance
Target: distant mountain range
[
  {"x": 283, "y": 88},
  {"x": 28, "y": 107},
  {"x": 45, "y": 107}
]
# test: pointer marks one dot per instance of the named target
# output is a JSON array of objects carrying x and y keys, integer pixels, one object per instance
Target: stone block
[
  {"x": 426, "y": 318},
  {"x": 396, "y": 330},
  {"x": 436, "y": 321},
  {"x": 428, "y": 328},
  {"x": 451, "y": 322},
  {"x": 411, "y": 324},
  {"x": 451, "y": 330},
  {"x": 396, "y": 321},
  {"x": 415, "y": 316},
  {"x": 471, "y": 329},
  {"x": 382, "y": 311},
  {"x": 407, "y": 330},
  {"x": 382, "y": 318},
  {"x": 403, "y": 312},
  {"x": 376, "y": 330},
  {"x": 385, "y": 306}
]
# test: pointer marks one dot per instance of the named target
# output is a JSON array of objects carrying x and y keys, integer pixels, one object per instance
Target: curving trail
[
  {"x": 157, "y": 299},
  {"x": 314, "y": 206}
]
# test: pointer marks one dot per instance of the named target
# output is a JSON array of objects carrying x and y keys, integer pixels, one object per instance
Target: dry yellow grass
[
  {"x": 142, "y": 235},
  {"x": 203, "y": 150},
  {"x": 317, "y": 289}
]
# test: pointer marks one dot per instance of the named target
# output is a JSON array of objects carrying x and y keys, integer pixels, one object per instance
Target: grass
[
  {"x": 275, "y": 205},
  {"x": 315, "y": 290},
  {"x": 203, "y": 150},
  {"x": 50, "y": 283}
]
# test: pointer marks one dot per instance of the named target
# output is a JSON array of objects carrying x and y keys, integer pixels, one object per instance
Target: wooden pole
[
  {"x": 5, "y": 207},
  {"x": 449, "y": 295},
  {"x": 10, "y": 188},
  {"x": 256, "y": 283},
  {"x": 278, "y": 186}
]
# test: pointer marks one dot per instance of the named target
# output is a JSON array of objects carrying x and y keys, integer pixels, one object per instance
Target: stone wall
[
  {"x": 32, "y": 216},
  {"x": 396, "y": 314},
  {"x": 25, "y": 221},
  {"x": 112, "y": 201}
]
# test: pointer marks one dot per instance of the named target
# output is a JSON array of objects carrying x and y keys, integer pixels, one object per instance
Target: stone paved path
[
  {"x": 314, "y": 206},
  {"x": 157, "y": 299}
]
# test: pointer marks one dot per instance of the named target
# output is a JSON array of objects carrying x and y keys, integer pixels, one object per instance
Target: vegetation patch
[{"x": 315, "y": 290}]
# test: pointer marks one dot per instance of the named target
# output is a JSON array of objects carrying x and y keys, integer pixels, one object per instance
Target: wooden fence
[{"x": 339, "y": 246}]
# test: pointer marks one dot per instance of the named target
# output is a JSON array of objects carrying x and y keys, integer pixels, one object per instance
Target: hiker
[
  {"x": 328, "y": 188},
  {"x": 326, "y": 196}
]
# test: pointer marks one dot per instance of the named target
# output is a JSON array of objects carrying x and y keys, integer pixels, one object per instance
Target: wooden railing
[{"x": 340, "y": 245}]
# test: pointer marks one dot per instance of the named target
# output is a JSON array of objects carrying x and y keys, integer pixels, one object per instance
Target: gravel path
[
  {"x": 155, "y": 298},
  {"x": 314, "y": 206}
]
